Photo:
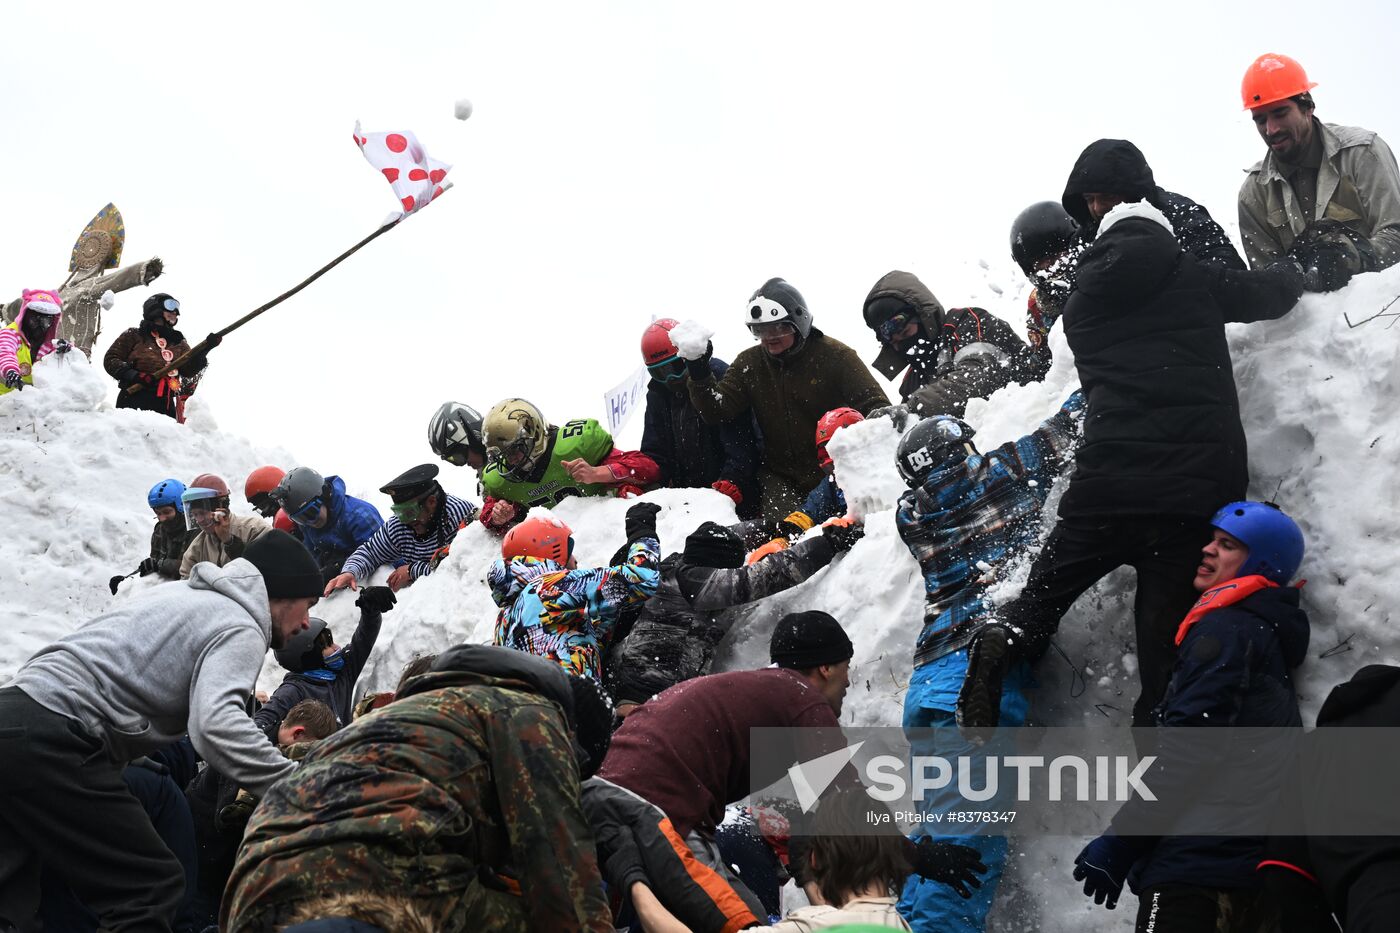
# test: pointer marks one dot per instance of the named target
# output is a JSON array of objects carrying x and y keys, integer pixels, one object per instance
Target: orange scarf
[{"x": 1226, "y": 594}]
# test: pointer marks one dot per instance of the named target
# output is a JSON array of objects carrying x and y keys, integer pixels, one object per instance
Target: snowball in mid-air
[{"x": 462, "y": 109}]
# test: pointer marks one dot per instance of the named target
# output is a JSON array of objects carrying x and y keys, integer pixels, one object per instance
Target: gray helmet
[
  {"x": 299, "y": 490},
  {"x": 930, "y": 444},
  {"x": 454, "y": 431},
  {"x": 778, "y": 301},
  {"x": 302, "y": 652}
]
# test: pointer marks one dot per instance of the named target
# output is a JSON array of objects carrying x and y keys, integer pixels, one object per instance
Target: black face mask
[{"x": 36, "y": 328}]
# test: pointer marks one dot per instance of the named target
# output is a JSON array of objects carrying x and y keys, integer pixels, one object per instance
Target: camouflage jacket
[{"x": 451, "y": 797}]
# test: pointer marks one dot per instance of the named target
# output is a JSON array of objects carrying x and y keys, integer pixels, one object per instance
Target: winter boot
[{"x": 979, "y": 700}]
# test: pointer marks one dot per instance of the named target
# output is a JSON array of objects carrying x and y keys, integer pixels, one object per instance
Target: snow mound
[{"x": 1321, "y": 408}]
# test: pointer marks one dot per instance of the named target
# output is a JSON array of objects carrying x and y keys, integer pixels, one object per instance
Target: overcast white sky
[{"x": 625, "y": 161}]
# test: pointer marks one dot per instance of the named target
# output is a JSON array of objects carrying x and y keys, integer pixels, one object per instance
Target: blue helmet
[
  {"x": 1275, "y": 542},
  {"x": 166, "y": 492}
]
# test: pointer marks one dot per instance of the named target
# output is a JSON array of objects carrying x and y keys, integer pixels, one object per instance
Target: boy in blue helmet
[
  {"x": 1236, "y": 650},
  {"x": 170, "y": 538}
]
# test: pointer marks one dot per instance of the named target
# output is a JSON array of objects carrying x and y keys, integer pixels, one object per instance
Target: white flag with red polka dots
[{"x": 417, "y": 178}]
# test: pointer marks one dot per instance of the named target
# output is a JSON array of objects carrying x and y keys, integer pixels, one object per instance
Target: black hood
[
  {"x": 1131, "y": 260},
  {"x": 1108, "y": 166},
  {"x": 1370, "y": 698},
  {"x": 1279, "y": 607}
]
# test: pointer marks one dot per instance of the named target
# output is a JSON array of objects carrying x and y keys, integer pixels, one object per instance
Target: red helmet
[
  {"x": 656, "y": 341},
  {"x": 1272, "y": 78},
  {"x": 210, "y": 481},
  {"x": 263, "y": 479},
  {"x": 283, "y": 522},
  {"x": 547, "y": 538},
  {"x": 827, "y": 425}
]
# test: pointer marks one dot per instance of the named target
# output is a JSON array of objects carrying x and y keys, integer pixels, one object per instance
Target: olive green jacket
[
  {"x": 1358, "y": 184},
  {"x": 787, "y": 395}
]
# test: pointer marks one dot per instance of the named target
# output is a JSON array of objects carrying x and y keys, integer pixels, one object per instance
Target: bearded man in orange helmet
[{"x": 1327, "y": 196}]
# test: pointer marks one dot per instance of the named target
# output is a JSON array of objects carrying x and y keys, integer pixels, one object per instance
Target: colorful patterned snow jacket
[{"x": 568, "y": 616}]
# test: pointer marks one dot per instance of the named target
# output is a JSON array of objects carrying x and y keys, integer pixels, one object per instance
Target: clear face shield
[{"x": 200, "y": 514}]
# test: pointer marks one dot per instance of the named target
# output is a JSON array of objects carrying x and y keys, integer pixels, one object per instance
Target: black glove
[
  {"x": 377, "y": 599},
  {"x": 699, "y": 370},
  {"x": 1103, "y": 865},
  {"x": 148, "y": 566},
  {"x": 61, "y": 346},
  {"x": 898, "y": 415},
  {"x": 235, "y": 546},
  {"x": 1330, "y": 253},
  {"x": 954, "y": 865},
  {"x": 13, "y": 380},
  {"x": 641, "y": 521},
  {"x": 843, "y": 535},
  {"x": 1330, "y": 268},
  {"x": 212, "y": 341}
]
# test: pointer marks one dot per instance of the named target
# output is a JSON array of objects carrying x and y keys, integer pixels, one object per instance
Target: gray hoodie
[{"x": 182, "y": 659}]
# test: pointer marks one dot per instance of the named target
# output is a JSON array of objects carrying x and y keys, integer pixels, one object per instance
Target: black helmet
[
  {"x": 302, "y": 652},
  {"x": 930, "y": 444},
  {"x": 777, "y": 301},
  {"x": 156, "y": 305},
  {"x": 301, "y": 494},
  {"x": 454, "y": 431},
  {"x": 1044, "y": 229}
]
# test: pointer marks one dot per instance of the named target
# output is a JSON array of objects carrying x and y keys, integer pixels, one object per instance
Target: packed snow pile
[{"x": 1321, "y": 406}]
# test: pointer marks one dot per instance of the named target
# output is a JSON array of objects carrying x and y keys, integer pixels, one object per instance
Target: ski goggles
[
  {"x": 171, "y": 305},
  {"x": 411, "y": 510},
  {"x": 308, "y": 512},
  {"x": 771, "y": 329},
  {"x": 668, "y": 370},
  {"x": 892, "y": 327}
]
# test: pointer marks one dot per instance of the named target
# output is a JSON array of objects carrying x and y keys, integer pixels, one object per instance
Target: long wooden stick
[{"x": 202, "y": 346}]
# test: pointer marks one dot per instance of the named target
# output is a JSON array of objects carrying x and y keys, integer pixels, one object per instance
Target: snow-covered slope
[{"x": 1320, "y": 409}]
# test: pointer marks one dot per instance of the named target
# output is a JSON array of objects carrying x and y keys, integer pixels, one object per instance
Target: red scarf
[{"x": 1226, "y": 594}]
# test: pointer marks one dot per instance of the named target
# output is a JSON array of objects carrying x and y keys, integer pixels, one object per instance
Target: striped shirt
[{"x": 395, "y": 543}]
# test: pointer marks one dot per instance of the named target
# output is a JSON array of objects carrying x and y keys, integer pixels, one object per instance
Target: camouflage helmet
[{"x": 516, "y": 436}]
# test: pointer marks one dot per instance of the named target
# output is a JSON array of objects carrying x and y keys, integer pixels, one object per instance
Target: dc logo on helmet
[
  {"x": 920, "y": 458},
  {"x": 766, "y": 309}
]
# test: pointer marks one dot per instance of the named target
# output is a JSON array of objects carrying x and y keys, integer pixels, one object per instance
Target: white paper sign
[{"x": 624, "y": 399}]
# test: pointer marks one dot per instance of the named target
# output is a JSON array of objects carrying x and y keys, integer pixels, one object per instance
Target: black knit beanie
[
  {"x": 287, "y": 567},
  {"x": 809, "y": 639},
  {"x": 713, "y": 545}
]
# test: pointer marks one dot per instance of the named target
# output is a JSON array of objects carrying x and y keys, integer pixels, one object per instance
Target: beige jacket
[
  {"x": 1358, "y": 184},
  {"x": 205, "y": 546},
  {"x": 872, "y": 911}
]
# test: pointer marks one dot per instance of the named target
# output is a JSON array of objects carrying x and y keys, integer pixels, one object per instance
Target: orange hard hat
[
  {"x": 263, "y": 479},
  {"x": 1272, "y": 78},
  {"x": 546, "y": 538},
  {"x": 283, "y": 522}
]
